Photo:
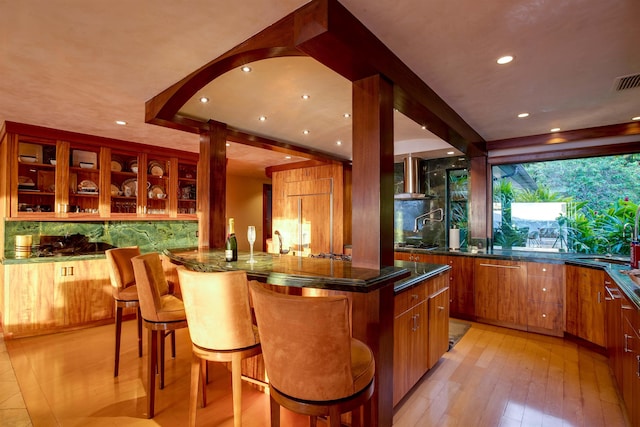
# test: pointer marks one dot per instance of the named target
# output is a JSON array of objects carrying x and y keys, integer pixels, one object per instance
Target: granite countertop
[
  {"x": 291, "y": 270},
  {"x": 615, "y": 266},
  {"x": 419, "y": 272}
]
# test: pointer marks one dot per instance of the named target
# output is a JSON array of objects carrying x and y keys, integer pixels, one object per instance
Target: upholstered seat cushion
[
  {"x": 128, "y": 294},
  {"x": 171, "y": 310},
  {"x": 363, "y": 366}
]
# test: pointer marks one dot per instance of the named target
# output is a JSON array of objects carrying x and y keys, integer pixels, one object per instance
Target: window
[{"x": 585, "y": 205}]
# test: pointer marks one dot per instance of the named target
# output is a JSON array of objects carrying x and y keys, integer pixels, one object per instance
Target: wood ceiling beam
[{"x": 326, "y": 31}]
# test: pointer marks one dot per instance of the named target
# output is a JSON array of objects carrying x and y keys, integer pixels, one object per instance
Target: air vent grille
[{"x": 627, "y": 82}]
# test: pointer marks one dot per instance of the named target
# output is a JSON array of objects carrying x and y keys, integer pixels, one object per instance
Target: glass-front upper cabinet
[
  {"x": 187, "y": 174},
  {"x": 123, "y": 186},
  {"x": 36, "y": 178},
  {"x": 157, "y": 185},
  {"x": 83, "y": 181}
]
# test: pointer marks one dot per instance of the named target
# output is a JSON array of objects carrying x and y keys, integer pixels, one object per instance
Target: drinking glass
[{"x": 251, "y": 236}]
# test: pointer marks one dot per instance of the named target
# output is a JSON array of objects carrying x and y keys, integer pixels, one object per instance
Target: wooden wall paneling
[
  {"x": 372, "y": 226},
  {"x": 141, "y": 199},
  {"x": 480, "y": 198},
  {"x": 347, "y": 218},
  {"x": 104, "y": 204}
]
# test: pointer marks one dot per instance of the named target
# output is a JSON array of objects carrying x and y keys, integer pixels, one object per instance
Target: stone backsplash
[{"x": 150, "y": 236}]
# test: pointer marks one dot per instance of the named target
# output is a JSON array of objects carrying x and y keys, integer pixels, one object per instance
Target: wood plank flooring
[{"x": 492, "y": 377}]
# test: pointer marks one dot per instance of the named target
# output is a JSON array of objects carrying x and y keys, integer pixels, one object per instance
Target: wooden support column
[
  {"x": 372, "y": 223},
  {"x": 212, "y": 186},
  {"x": 372, "y": 172}
]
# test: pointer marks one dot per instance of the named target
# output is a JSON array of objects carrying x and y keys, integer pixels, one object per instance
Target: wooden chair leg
[
  {"x": 236, "y": 388},
  {"x": 118, "y": 335},
  {"x": 356, "y": 417},
  {"x": 173, "y": 344},
  {"x": 204, "y": 371},
  {"x": 275, "y": 412},
  {"x": 151, "y": 380},
  {"x": 161, "y": 357},
  {"x": 313, "y": 421},
  {"x": 334, "y": 416},
  {"x": 193, "y": 393},
  {"x": 366, "y": 418},
  {"x": 139, "y": 319}
]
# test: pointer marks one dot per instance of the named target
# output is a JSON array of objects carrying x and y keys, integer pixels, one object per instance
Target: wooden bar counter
[{"x": 371, "y": 293}]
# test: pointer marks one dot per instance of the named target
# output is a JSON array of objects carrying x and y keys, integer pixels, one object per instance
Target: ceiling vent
[{"x": 627, "y": 82}]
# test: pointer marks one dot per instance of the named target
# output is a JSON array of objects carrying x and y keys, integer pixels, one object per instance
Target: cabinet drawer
[
  {"x": 546, "y": 290},
  {"x": 409, "y": 298},
  {"x": 544, "y": 315},
  {"x": 548, "y": 270}
]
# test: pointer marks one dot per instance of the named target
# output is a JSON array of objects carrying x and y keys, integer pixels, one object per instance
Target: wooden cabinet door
[
  {"x": 545, "y": 297},
  {"x": 438, "y": 306},
  {"x": 615, "y": 333},
  {"x": 410, "y": 349},
  {"x": 631, "y": 361},
  {"x": 82, "y": 292},
  {"x": 585, "y": 303},
  {"x": 461, "y": 287},
  {"x": 29, "y": 302},
  {"x": 501, "y": 290}
]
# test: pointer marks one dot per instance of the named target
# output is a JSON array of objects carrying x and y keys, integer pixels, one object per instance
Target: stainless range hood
[{"x": 412, "y": 187}]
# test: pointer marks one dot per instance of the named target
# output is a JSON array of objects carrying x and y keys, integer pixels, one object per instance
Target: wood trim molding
[{"x": 558, "y": 138}]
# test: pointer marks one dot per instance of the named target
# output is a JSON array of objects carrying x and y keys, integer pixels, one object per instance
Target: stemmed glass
[{"x": 251, "y": 236}]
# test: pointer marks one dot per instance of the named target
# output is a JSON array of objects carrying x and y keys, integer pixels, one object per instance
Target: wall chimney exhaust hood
[{"x": 412, "y": 187}]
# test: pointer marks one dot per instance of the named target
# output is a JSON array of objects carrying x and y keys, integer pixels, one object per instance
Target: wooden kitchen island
[{"x": 371, "y": 293}]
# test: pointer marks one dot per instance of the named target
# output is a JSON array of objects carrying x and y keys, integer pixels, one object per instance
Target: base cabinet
[
  {"x": 585, "y": 304},
  {"x": 623, "y": 347},
  {"x": 545, "y": 298},
  {"x": 501, "y": 291},
  {"x": 421, "y": 332},
  {"x": 54, "y": 296}
]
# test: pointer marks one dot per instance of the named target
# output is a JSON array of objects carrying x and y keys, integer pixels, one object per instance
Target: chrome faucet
[
  {"x": 425, "y": 217},
  {"x": 281, "y": 250},
  {"x": 624, "y": 227}
]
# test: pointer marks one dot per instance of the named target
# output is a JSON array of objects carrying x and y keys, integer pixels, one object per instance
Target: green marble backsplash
[{"x": 150, "y": 236}]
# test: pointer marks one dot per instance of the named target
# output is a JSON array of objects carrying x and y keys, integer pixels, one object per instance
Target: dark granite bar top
[
  {"x": 419, "y": 272},
  {"x": 291, "y": 270}
]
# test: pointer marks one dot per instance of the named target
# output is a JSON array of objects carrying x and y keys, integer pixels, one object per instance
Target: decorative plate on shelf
[
  {"x": 156, "y": 168},
  {"x": 25, "y": 181},
  {"x": 130, "y": 187},
  {"x": 116, "y": 166},
  {"x": 157, "y": 192},
  {"x": 115, "y": 190},
  {"x": 87, "y": 187}
]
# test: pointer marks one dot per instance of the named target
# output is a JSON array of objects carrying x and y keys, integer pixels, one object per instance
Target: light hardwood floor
[{"x": 492, "y": 377}]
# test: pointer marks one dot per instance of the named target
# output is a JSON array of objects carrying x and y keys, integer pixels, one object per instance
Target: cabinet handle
[
  {"x": 599, "y": 297},
  {"x": 516, "y": 267},
  {"x": 415, "y": 318},
  {"x": 440, "y": 308},
  {"x": 63, "y": 271},
  {"x": 544, "y": 315},
  {"x": 414, "y": 296},
  {"x": 638, "y": 366},
  {"x": 70, "y": 271},
  {"x": 626, "y": 343},
  {"x": 544, "y": 289}
]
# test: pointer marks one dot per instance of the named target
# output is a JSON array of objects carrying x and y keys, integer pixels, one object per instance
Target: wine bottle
[{"x": 231, "y": 244}]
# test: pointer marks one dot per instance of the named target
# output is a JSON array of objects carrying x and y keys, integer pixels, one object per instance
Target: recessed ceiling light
[
  {"x": 204, "y": 99},
  {"x": 121, "y": 122},
  {"x": 450, "y": 153},
  {"x": 287, "y": 157},
  {"x": 228, "y": 145},
  {"x": 338, "y": 142},
  {"x": 523, "y": 115},
  {"x": 246, "y": 69},
  {"x": 346, "y": 115},
  {"x": 305, "y": 96},
  {"x": 306, "y": 131},
  {"x": 424, "y": 127},
  {"x": 504, "y": 59},
  {"x": 263, "y": 118},
  {"x": 635, "y": 118},
  {"x": 554, "y": 130}
]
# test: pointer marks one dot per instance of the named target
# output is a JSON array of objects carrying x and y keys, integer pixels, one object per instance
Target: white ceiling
[{"x": 80, "y": 65}]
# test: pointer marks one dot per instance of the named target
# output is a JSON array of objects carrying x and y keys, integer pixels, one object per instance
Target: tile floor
[{"x": 13, "y": 411}]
